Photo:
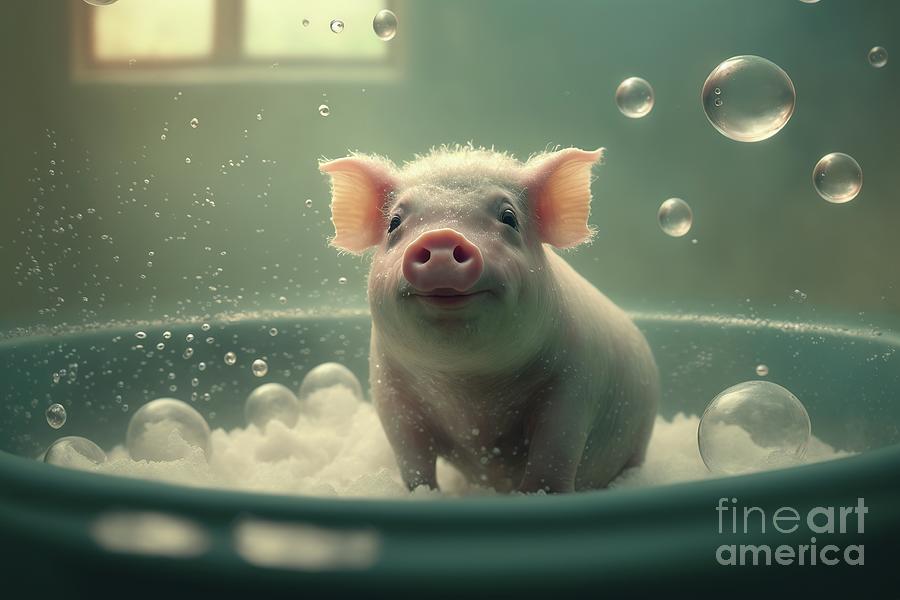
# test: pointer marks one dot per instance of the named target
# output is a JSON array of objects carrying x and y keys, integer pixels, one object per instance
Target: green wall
[{"x": 519, "y": 75}]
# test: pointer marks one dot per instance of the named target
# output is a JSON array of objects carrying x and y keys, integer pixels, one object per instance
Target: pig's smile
[{"x": 447, "y": 298}]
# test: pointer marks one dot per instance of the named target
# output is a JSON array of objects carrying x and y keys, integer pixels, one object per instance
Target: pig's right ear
[{"x": 360, "y": 186}]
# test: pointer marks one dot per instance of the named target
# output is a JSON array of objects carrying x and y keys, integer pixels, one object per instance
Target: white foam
[{"x": 337, "y": 448}]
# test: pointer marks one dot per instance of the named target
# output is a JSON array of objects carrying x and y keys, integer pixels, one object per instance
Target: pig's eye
[
  {"x": 508, "y": 217},
  {"x": 394, "y": 224}
]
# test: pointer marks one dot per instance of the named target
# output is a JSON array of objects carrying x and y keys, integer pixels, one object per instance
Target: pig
[{"x": 488, "y": 349}]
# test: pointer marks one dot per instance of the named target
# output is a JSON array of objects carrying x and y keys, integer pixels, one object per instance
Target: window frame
[{"x": 226, "y": 62}]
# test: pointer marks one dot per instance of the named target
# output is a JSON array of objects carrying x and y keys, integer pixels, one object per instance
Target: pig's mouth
[{"x": 449, "y": 298}]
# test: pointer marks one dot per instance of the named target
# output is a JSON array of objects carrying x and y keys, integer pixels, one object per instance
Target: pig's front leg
[
  {"x": 556, "y": 442},
  {"x": 410, "y": 438}
]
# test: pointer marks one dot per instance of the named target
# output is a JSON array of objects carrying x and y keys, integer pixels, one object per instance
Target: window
[{"x": 185, "y": 41}]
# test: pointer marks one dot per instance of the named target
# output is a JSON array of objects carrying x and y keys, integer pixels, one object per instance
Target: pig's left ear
[
  {"x": 360, "y": 186},
  {"x": 559, "y": 186}
]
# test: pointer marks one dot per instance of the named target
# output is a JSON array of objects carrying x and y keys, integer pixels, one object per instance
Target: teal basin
[{"x": 637, "y": 541}]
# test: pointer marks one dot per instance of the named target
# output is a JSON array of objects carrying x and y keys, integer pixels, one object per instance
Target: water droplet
[
  {"x": 337, "y": 26},
  {"x": 189, "y": 338},
  {"x": 187, "y": 160},
  {"x": 878, "y": 57},
  {"x": 56, "y": 416},
  {"x": 675, "y": 217},
  {"x": 201, "y": 366},
  {"x": 189, "y": 352},
  {"x": 837, "y": 178},
  {"x": 166, "y": 429},
  {"x": 230, "y": 358},
  {"x": 328, "y": 375},
  {"x": 273, "y": 332},
  {"x": 167, "y": 335},
  {"x": 259, "y": 367},
  {"x": 271, "y": 401},
  {"x": 305, "y": 22},
  {"x": 204, "y": 327},
  {"x": 385, "y": 25},
  {"x": 74, "y": 452},
  {"x": 282, "y": 300},
  {"x": 762, "y": 370},
  {"x": 160, "y": 346},
  {"x": 162, "y": 137},
  {"x": 140, "y": 335},
  {"x": 755, "y": 98},
  {"x": 324, "y": 110},
  {"x": 634, "y": 97},
  {"x": 195, "y": 123},
  {"x": 752, "y": 426}
]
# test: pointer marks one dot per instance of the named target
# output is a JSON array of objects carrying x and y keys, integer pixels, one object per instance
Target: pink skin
[{"x": 488, "y": 349}]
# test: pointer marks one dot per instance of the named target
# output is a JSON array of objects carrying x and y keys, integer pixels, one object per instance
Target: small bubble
[
  {"x": 385, "y": 25},
  {"x": 162, "y": 137},
  {"x": 140, "y": 335},
  {"x": 259, "y": 116},
  {"x": 167, "y": 335},
  {"x": 282, "y": 300},
  {"x": 634, "y": 97},
  {"x": 273, "y": 332},
  {"x": 56, "y": 416},
  {"x": 718, "y": 102},
  {"x": 205, "y": 327},
  {"x": 798, "y": 296},
  {"x": 308, "y": 203},
  {"x": 878, "y": 57},
  {"x": 160, "y": 346},
  {"x": 189, "y": 352},
  {"x": 837, "y": 178},
  {"x": 260, "y": 367},
  {"x": 230, "y": 358},
  {"x": 305, "y": 22},
  {"x": 187, "y": 160},
  {"x": 342, "y": 280},
  {"x": 675, "y": 217},
  {"x": 189, "y": 338},
  {"x": 201, "y": 366},
  {"x": 337, "y": 26},
  {"x": 762, "y": 370},
  {"x": 195, "y": 123},
  {"x": 324, "y": 110}
]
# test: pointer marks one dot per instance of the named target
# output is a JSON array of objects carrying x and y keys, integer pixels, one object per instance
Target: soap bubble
[
  {"x": 230, "y": 358},
  {"x": 259, "y": 367},
  {"x": 56, "y": 416},
  {"x": 305, "y": 22},
  {"x": 327, "y": 375},
  {"x": 166, "y": 429},
  {"x": 837, "y": 177},
  {"x": 753, "y": 426},
  {"x": 385, "y": 25},
  {"x": 195, "y": 123},
  {"x": 337, "y": 26},
  {"x": 271, "y": 401},
  {"x": 675, "y": 217},
  {"x": 187, "y": 160},
  {"x": 74, "y": 451},
  {"x": 308, "y": 204},
  {"x": 324, "y": 110},
  {"x": 748, "y": 98},
  {"x": 762, "y": 370},
  {"x": 634, "y": 97},
  {"x": 878, "y": 57}
]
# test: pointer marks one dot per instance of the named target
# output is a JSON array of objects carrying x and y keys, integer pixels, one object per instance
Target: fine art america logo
[{"x": 820, "y": 520}]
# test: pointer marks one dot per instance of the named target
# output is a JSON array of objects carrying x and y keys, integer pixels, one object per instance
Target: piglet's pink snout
[{"x": 442, "y": 259}]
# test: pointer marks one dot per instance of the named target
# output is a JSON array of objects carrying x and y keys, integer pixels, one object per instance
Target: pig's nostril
[
  {"x": 461, "y": 255},
  {"x": 421, "y": 255}
]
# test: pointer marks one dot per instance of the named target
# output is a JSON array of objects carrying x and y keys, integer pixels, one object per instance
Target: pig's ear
[
  {"x": 360, "y": 186},
  {"x": 559, "y": 186}
]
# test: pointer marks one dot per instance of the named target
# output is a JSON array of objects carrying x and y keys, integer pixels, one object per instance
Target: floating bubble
[
  {"x": 878, "y": 57},
  {"x": 762, "y": 370},
  {"x": 342, "y": 280},
  {"x": 74, "y": 452},
  {"x": 798, "y": 296},
  {"x": 837, "y": 178},
  {"x": 195, "y": 123},
  {"x": 327, "y": 375},
  {"x": 187, "y": 160},
  {"x": 675, "y": 217},
  {"x": 385, "y": 25},
  {"x": 337, "y": 26},
  {"x": 634, "y": 97},
  {"x": 748, "y": 98},
  {"x": 271, "y": 401},
  {"x": 140, "y": 335},
  {"x": 273, "y": 331},
  {"x": 324, "y": 110},
  {"x": 259, "y": 367},
  {"x": 753, "y": 426},
  {"x": 166, "y": 429},
  {"x": 282, "y": 300},
  {"x": 308, "y": 203},
  {"x": 305, "y": 22},
  {"x": 230, "y": 358},
  {"x": 56, "y": 415}
]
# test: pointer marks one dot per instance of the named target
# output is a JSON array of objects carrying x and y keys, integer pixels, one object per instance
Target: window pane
[
  {"x": 274, "y": 28},
  {"x": 162, "y": 29}
]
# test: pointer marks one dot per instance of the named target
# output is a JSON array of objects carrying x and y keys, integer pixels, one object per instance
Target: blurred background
[{"x": 115, "y": 206}]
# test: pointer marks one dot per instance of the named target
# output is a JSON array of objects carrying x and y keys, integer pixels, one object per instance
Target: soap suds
[{"x": 338, "y": 449}]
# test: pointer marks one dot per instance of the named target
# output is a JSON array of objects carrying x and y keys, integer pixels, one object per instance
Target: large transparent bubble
[
  {"x": 74, "y": 452},
  {"x": 748, "y": 98},
  {"x": 271, "y": 401},
  {"x": 166, "y": 429},
  {"x": 634, "y": 97},
  {"x": 328, "y": 375},
  {"x": 753, "y": 426},
  {"x": 675, "y": 217}
]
